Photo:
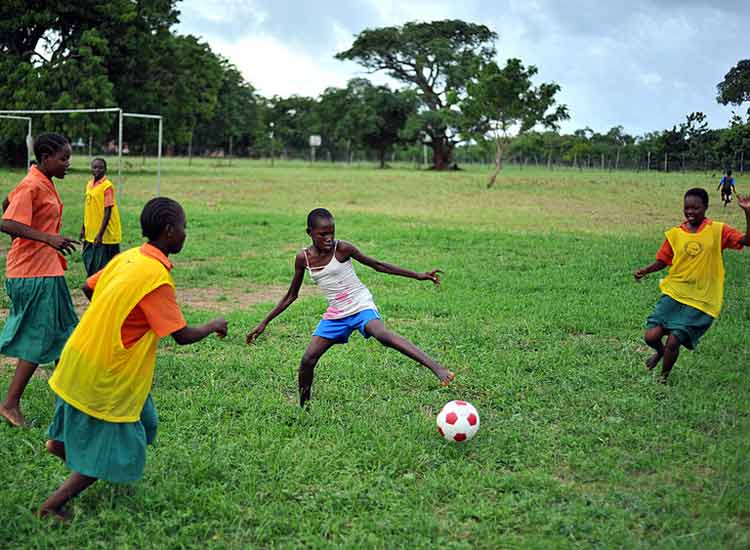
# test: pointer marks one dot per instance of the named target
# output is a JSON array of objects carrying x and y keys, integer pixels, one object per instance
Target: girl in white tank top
[{"x": 350, "y": 303}]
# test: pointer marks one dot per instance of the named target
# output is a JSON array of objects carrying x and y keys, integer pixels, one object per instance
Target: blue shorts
[{"x": 339, "y": 330}]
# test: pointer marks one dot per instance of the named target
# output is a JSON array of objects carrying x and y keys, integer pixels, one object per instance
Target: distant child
[
  {"x": 104, "y": 415},
  {"x": 41, "y": 315},
  {"x": 693, "y": 290},
  {"x": 727, "y": 187},
  {"x": 350, "y": 304},
  {"x": 101, "y": 231}
]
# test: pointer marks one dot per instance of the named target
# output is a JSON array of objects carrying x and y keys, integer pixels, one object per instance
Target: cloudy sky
[{"x": 643, "y": 64}]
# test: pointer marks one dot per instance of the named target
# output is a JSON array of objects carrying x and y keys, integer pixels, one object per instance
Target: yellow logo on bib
[{"x": 693, "y": 248}]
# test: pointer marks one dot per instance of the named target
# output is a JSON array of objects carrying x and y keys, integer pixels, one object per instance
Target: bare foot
[
  {"x": 652, "y": 361},
  {"x": 13, "y": 417},
  {"x": 446, "y": 378},
  {"x": 56, "y": 448},
  {"x": 60, "y": 515}
]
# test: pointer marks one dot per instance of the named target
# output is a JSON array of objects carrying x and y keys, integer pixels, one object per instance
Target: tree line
[{"x": 455, "y": 98}]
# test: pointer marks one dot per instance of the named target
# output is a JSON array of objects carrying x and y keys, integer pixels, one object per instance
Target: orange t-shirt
[
  {"x": 34, "y": 202},
  {"x": 730, "y": 238},
  {"x": 158, "y": 310}
]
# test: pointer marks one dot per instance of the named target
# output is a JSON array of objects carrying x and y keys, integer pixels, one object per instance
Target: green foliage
[
  {"x": 366, "y": 116},
  {"x": 237, "y": 116},
  {"x": 735, "y": 88}
]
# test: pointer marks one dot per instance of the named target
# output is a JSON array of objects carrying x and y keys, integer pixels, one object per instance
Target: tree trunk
[
  {"x": 190, "y": 150},
  {"x": 441, "y": 154},
  {"x": 500, "y": 149},
  {"x": 381, "y": 157}
]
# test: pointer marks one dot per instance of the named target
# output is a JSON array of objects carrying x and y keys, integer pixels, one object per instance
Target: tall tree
[
  {"x": 504, "y": 100},
  {"x": 735, "y": 88},
  {"x": 438, "y": 59}
]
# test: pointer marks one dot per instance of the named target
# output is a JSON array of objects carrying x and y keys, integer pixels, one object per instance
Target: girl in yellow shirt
[
  {"x": 693, "y": 290},
  {"x": 104, "y": 416},
  {"x": 101, "y": 231}
]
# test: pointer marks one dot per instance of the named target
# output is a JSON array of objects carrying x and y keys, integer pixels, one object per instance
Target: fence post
[
  {"x": 666, "y": 162},
  {"x": 648, "y": 166}
]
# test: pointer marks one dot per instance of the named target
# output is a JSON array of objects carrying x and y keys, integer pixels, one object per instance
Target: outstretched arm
[
  {"x": 285, "y": 302},
  {"x": 658, "y": 265},
  {"x": 744, "y": 203},
  {"x": 190, "y": 335},
  {"x": 351, "y": 251}
]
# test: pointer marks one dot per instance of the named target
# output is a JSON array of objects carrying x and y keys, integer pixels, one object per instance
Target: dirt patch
[{"x": 229, "y": 299}]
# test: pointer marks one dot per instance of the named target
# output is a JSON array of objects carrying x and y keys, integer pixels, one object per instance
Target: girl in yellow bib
[
  {"x": 693, "y": 290},
  {"x": 101, "y": 231},
  {"x": 104, "y": 415}
]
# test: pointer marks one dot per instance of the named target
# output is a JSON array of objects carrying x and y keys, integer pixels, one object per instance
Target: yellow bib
[
  {"x": 93, "y": 214},
  {"x": 696, "y": 277},
  {"x": 96, "y": 373}
]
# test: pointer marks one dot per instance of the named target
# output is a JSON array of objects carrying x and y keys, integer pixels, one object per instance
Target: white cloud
[{"x": 275, "y": 69}]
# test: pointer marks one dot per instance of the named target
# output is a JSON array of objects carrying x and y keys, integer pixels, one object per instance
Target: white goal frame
[{"x": 120, "y": 116}]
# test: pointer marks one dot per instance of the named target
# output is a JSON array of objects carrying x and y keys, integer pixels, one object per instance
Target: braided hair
[
  {"x": 318, "y": 214},
  {"x": 158, "y": 213},
  {"x": 48, "y": 144}
]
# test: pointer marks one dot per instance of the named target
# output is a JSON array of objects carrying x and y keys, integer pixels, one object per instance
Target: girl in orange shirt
[{"x": 41, "y": 316}]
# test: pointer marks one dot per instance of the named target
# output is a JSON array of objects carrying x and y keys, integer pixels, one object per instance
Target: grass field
[{"x": 538, "y": 315}]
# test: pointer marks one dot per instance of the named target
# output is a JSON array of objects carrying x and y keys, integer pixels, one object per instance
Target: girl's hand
[
  {"x": 431, "y": 276},
  {"x": 639, "y": 274},
  {"x": 220, "y": 327},
  {"x": 744, "y": 202},
  {"x": 66, "y": 245},
  {"x": 253, "y": 334}
]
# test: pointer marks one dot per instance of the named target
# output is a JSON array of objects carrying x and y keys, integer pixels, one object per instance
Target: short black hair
[
  {"x": 49, "y": 144},
  {"x": 699, "y": 192},
  {"x": 318, "y": 214},
  {"x": 729, "y": 172},
  {"x": 100, "y": 159},
  {"x": 158, "y": 214}
]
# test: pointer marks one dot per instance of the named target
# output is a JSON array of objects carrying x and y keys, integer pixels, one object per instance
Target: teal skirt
[
  {"x": 40, "y": 321},
  {"x": 95, "y": 258},
  {"x": 110, "y": 451},
  {"x": 687, "y": 323}
]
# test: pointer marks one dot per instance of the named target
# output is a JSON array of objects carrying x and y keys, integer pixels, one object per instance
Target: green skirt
[
  {"x": 682, "y": 320},
  {"x": 96, "y": 257},
  {"x": 40, "y": 321},
  {"x": 111, "y": 451}
]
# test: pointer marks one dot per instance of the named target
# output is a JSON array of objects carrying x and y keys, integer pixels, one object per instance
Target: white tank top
[{"x": 342, "y": 288}]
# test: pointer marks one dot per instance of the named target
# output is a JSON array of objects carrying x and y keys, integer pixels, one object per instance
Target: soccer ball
[{"x": 458, "y": 421}]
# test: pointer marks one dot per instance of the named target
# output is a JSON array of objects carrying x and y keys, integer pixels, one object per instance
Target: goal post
[{"x": 18, "y": 113}]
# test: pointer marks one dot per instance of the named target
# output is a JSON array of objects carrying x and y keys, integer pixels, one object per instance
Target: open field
[{"x": 538, "y": 315}]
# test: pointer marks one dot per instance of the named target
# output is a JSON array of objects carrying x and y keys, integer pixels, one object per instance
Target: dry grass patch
[{"x": 228, "y": 299}]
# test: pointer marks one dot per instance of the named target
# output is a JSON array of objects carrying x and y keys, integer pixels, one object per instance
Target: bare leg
[
  {"x": 317, "y": 347},
  {"x": 389, "y": 339},
  {"x": 11, "y": 407},
  {"x": 56, "y": 448},
  {"x": 671, "y": 352},
  {"x": 653, "y": 338},
  {"x": 72, "y": 487}
]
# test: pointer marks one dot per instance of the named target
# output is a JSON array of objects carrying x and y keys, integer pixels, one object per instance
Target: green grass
[{"x": 538, "y": 316}]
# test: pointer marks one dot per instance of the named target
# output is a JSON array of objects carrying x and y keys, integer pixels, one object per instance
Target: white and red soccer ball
[{"x": 458, "y": 421}]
